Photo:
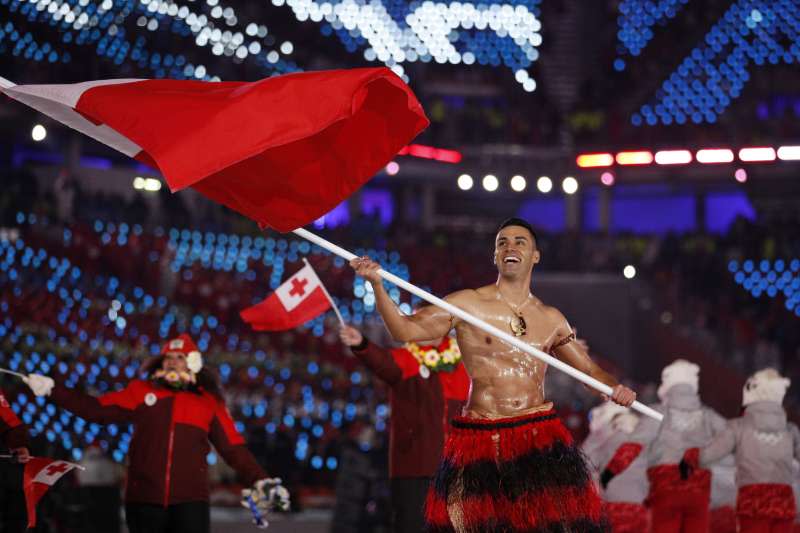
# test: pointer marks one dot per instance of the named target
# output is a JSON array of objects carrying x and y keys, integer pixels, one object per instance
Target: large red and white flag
[
  {"x": 40, "y": 474},
  {"x": 283, "y": 151},
  {"x": 299, "y": 299}
]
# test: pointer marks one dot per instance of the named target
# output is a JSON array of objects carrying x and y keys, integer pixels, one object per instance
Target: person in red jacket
[
  {"x": 14, "y": 442},
  {"x": 429, "y": 386},
  {"x": 176, "y": 412}
]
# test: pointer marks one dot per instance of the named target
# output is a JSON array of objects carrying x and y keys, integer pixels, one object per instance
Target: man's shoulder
[
  {"x": 481, "y": 293},
  {"x": 549, "y": 310}
]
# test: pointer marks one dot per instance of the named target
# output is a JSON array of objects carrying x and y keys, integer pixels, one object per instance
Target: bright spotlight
[
  {"x": 740, "y": 175},
  {"x": 38, "y": 133},
  {"x": 629, "y": 272},
  {"x": 518, "y": 183},
  {"x": 607, "y": 179},
  {"x": 152, "y": 185},
  {"x": 138, "y": 183},
  {"x": 465, "y": 182},
  {"x": 490, "y": 182},
  {"x": 570, "y": 185},
  {"x": 544, "y": 184},
  {"x": 392, "y": 168}
]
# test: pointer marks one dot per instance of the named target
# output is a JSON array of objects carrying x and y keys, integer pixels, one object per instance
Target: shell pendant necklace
[{"x": 517, "y": 322}]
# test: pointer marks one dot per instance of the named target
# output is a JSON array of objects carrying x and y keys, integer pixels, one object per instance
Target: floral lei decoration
[
  {"x": 442, "y": 357},
  {"x": 175, "y": 379}
]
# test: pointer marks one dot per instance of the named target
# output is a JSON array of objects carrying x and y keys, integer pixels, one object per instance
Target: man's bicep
[
  {"x": 430, "y": 322},
  {"x": 565, "y": 347},
  {"x": 574, "y": 355}
]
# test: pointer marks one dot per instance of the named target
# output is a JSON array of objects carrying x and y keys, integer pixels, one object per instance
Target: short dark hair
[{"x": 515, "y": 221}]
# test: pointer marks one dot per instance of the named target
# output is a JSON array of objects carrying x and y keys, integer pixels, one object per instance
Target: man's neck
[{"x": 514, "y": 290}]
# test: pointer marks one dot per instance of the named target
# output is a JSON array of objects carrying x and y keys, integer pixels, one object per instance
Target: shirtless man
[{"x": 509, "y": 464}]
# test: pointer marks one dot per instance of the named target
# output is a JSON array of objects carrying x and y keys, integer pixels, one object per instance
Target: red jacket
[
  {"x": 421, "y": 409},
  {"x": 13, "y": 433},
  {"x": 172, "y": 429}
]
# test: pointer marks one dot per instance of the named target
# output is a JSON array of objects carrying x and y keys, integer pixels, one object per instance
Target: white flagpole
[
  {"x": 322, "y": 286},
  {"x": 4, "y": 371},
  {"x": 477, "y": 322}
]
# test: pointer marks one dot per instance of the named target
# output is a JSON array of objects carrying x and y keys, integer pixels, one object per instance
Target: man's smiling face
[{"x": 515, "y": 251}]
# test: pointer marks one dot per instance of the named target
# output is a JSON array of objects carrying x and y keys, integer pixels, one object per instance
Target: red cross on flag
[
  {"x": 282, "y": 151},
  {"x": 40, "y": 474},
  {"x": 299, "y": 299}
]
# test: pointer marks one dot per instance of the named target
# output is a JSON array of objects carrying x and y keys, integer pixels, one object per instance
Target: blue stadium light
[{"x": 751, "y": 33}]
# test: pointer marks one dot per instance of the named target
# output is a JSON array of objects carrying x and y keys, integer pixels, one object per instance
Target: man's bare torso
[{"x": 505, "y": 381}]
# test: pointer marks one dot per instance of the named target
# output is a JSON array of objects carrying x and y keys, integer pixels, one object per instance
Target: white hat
[
  {"x": 679, "y": 371},
  {"x": 602, "y": 415},
  {"x": 765, "y": 386}
]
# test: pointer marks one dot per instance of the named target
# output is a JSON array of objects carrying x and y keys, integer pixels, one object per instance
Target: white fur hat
[
  {"x": 679, "y": 371},
  {"x": 602, "y": 415},
  {"x": 765, "y": 386}
]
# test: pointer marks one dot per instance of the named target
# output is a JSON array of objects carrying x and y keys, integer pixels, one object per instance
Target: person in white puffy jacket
[
  {"x": 610, "y": 428},
  {"x": 765, "y": 447},
  {"x": 676, "y": 504}
]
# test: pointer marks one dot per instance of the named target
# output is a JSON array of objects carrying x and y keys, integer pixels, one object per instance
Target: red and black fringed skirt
[{"x": 509, "y": 475}]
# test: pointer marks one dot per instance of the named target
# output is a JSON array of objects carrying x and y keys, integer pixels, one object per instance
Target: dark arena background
[{"x": 654, "y": 145}]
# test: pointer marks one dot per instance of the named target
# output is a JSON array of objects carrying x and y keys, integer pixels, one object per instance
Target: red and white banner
[
  {"x": 282, "y": 151},
  {"x": 40, "y": 474},
  {"x": 299, "y": 299}
]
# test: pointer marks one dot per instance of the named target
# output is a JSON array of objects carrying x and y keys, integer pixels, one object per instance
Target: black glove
[
  {"x": 605, "y": 477},
  {"x": 685, "y": 469}
]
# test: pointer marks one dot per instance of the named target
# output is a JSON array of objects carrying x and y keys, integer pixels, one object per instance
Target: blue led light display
[
  {"x": 751, "y": 34},
  {"x": 102, "y": 26},
  {"x": 396, "y": 32},
  {"x": 638, "y": 17},
  {"x": 770, "y": 279}
]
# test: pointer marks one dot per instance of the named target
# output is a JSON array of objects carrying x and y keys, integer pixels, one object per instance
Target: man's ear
[{"x": 536, "y": 257}]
